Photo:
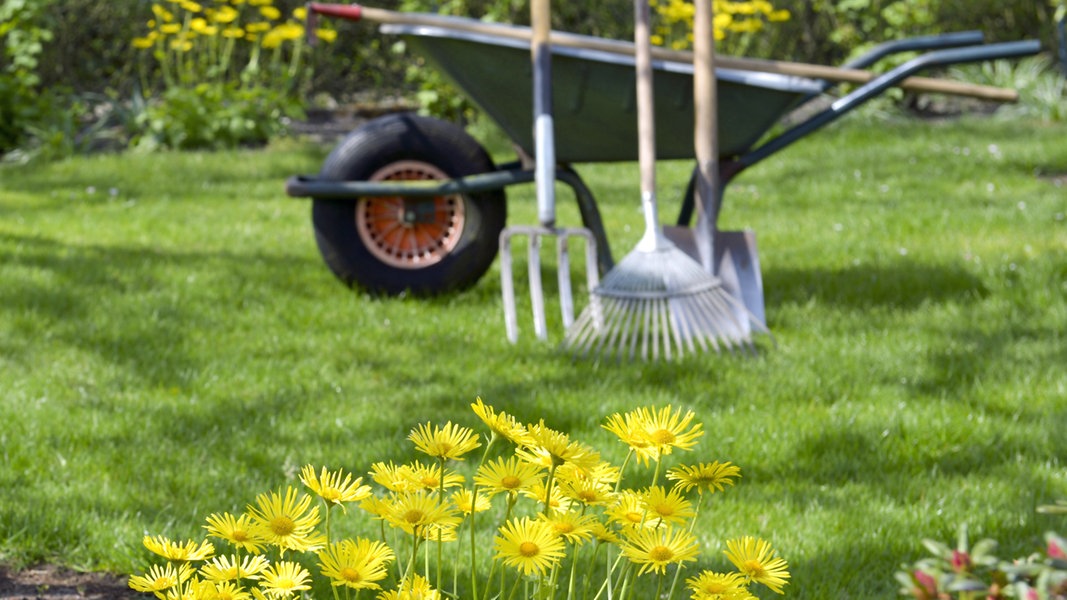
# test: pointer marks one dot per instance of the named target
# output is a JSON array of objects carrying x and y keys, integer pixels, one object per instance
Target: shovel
[{"x": 729, "y": 255}]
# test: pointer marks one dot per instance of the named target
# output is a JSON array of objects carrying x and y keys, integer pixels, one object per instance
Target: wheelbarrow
[{"x": 412, "y": 204}]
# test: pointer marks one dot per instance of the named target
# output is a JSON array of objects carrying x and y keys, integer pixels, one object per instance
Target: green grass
[{"x": 171, "y": 345}]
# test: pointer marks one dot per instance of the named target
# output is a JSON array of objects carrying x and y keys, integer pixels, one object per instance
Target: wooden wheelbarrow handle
[{"x": 356, "y": 12}]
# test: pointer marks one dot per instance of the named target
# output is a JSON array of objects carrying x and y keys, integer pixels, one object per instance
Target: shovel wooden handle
[{"x": 356, "y": 12}]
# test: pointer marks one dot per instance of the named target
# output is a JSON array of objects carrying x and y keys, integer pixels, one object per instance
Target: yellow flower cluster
[
  {"x": 557, "y": 504},
  {"x": 178, "y": 24},
  {"x": 675, "y": 19}
]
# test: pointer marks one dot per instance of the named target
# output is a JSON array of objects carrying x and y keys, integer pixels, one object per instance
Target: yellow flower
[
  {"x": 417, "y": 588},
  {"x": 666, "y": 507},
  {"x": 654, "y": 549},
  {"x": 170, "y": 28},
  {"x": 554, "y": 448},
  {"x": 189, "y": 551},
  {"x": 145, "y": 42},
  {"x": 501, "y": 424},
  {"x": 355, "y": 564},
  {"x": 602, "y": 533},
  {"x": 162, "y": 14},
  {"x": 449, "y": 442},
  {"x": 704, "y": 476},
  {"x": 756, "y": 560},
  {"x": 629, "y": 511},
  {"x": 395, "y": 478},
  {"x": 709, "y": 585},
  {"x": 284, "y": 579},
  {"x": 429, "y": 477},
  {"x": 467, "y": 503},
  {"x": 230, "y": 568},
  {"x": 331, "y": 488},
  {"x": 556, "y": 502},
  {"x": 507, "y": 475},
  {"x": 192, "y": 7},
  {"x": 233, "y": 32},
  {"x": 226, "y": 590},
  {"x": 239, "y": 531},
  {"x": 529, "y": 545},
  {"x": 572, "y": 527},
  {"x": 287, "y": 522},
  {"x": 300, "y": 13},
  {"x": 199, "y": 25},
  {"x": 326, "y": 35},
  {"x": 224, "y": 15},
  {"x": 652, "y": 433},
  {"x": 417, "y": 513},
  {"x": 161, "y": 578},
  {"x": 270, "y": 12},
  {"x": 257, "y": 27}
]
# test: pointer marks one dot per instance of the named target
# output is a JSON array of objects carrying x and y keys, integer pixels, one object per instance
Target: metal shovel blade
[{"x": 737, "y": 265}]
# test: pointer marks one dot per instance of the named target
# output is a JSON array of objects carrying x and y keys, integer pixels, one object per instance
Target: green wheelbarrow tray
[{"x": 594, "y": 102}]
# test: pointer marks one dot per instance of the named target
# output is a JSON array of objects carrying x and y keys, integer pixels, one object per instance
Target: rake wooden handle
[{"x": 356, "y": 12}]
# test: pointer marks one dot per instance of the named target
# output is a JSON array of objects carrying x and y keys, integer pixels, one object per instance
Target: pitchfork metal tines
[{"x": 535, "y": 235}]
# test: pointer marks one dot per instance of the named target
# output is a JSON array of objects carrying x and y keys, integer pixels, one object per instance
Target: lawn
[{"x": 171, "y": 345}]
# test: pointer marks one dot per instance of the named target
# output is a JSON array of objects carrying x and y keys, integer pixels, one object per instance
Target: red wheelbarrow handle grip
[{"x": 352, "y": 12}]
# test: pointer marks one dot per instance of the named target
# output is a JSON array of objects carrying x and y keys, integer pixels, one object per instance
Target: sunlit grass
[{"x": 171, "y": 344}]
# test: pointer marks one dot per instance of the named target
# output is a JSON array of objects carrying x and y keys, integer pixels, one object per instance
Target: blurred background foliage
[{"x": 69, "y": 73}]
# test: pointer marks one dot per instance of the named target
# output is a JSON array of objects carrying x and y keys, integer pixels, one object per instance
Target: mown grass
[{"x": 171, "y": 345}]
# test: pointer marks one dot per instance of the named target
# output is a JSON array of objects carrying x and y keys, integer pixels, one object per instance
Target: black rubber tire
[{"x": 443, "y": 149}]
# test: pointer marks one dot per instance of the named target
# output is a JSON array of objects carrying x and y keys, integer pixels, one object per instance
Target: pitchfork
[{"x": 544, "y": 178}]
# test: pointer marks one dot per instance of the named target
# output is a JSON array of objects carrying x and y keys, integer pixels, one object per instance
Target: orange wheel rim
[{"x": 410, "y": 233}]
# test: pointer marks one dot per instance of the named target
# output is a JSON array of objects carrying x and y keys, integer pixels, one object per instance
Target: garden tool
[
  {"x": 544, "y": 180},
  {"x": 729, "y": 255},
  {"x": 657, "y": 300}
]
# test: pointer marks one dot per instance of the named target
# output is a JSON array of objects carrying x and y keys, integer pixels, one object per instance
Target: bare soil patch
[{"x": 48, "y": 582}]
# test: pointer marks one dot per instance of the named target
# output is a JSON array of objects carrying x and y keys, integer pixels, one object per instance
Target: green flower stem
[
  {"x": 692, "y": 526},
  {"x": 474, "y": 547},
  {"x": 607, "y": 579},
  {"x": 574, "y": 569}
]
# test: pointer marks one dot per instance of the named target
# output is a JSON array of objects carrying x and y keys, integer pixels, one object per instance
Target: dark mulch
[{"x": 47, "y": 582}]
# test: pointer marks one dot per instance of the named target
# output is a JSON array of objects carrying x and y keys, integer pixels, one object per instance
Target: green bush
[{"x": 23, "y": 35}]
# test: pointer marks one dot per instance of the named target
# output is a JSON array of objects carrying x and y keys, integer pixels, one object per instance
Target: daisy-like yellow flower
[
  {"x": 230, "y": 568},
  {"x": 239, "y": 531},
  {"x": 467, "y": 503},
  {"x": 529, "y": 545},
  {"x": 334, "y": 488},
  {"x": 712, "y": 477},
  {"x": 589, "y": 492},
  {"x": 709, "y": 585},
  {"x": 553, "y": 448},
  {"x": 326, "y": 35},
  {"x": 651, "y": 433},
  {"x": 416, "y": 588},
  {"x": 757, "y": 561},
  {"x": 557, "y": 502},
  {"x": 654, "y": 549},
  {"x": 178, "y": 552},
  {"x": 287, "y": 521},
  {"x": 433, "y": 477},
  {"x": 357, "y": 565},
  {"x": 375, "y": 506},
  {"x": 602, "y": 533},
  {"x": 512, "y": 475},
  {"x": 161, "y": 578},
  {"x": 629, "y": 511},
  {"x": 270, "y": 12},
  {"x": 284, "y": 579},
  {"x": 502, "y": 424},
  {"x": 572, "y": 527},
  {"x": 395, "y": 478},
  {"x": 450, "y": 442},
  {"x": 417, "y": 512},
  {"x": 667, "y": 507},
  {"x": 227, "y": 590}
]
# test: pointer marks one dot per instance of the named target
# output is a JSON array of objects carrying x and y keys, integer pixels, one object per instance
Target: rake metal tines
[
  {"x": 648, "y": 308},
  {"x": 535, "y": 234}
]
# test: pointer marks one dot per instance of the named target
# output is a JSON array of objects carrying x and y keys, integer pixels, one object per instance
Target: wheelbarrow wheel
[{"x": 421, "y": 245}]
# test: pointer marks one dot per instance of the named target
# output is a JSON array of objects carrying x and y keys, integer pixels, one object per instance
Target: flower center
[
  {"x": 350, "y": 574},
  {"x": 510, "y": 482},
  {"x": 661, "y": 554},
  {"x": 664, "y": 510},
  {"x": 239, "y": 535},
  {"x": 563, "y": 527},
  {"x": 430, "y": 482},
  {"x": 529, "y": 549},
  {"x": 414, "y": 516},
  {"x": 285, "y": 584},
  {"x": 662, "y": 437},
  {"x": 587, "y": 496},
  {"x": 282, "y": 526},
  {"x": 444, "y": 448},
  {"x": 633, "y": 517},
  {"x": 162, "y": 583},
  {"x": 331, "y": 495},
  {"x": 753, "y": 568}
]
